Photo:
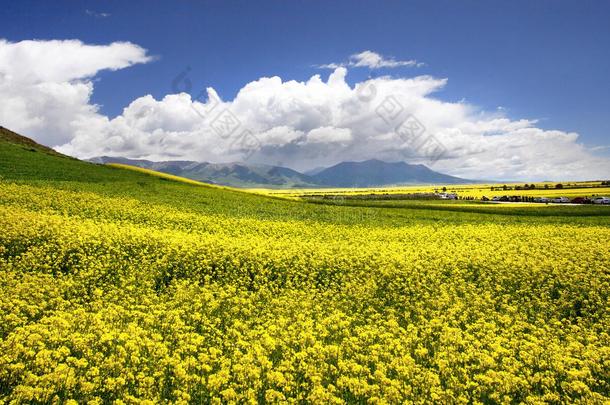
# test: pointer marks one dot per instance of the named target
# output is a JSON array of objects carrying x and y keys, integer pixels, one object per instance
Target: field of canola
[
  {"x": 588, "y": 189},
  {"x": 119, "y": 287}
]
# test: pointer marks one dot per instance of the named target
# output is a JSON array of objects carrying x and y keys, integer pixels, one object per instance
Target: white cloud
[
  {"x": 46, "y": 86},
  {"x": 300, "y": 124},
  {"x": 329, "y": 135},
  {"x": 372, "y": 60},
  {"x": 332, "y": 65},
  {"x": 62, "y": 61},
  {"x": 600, "y": 148},
  {"x": 96, "y": 14}
]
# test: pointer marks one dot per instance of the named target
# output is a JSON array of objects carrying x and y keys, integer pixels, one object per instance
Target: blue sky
[{"x": 542, "y": 60}]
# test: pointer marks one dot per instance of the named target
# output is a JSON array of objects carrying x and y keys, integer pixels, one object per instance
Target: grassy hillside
[
  {"x": 8, "y": 136},
  {"x": 119, "y": 284}
]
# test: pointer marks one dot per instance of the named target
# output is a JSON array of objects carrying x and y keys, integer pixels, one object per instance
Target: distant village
[
  {"x": 588, "y": 194},
  {"x": 444, "y": 195}
]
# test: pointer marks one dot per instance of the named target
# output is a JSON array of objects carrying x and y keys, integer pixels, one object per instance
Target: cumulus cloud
[
  {"x": 46, "y": 85},
  {"x": 318, "y": 122},
  {"x": 329, "y": 135},
  {"x": 372, "y": 60},
  {"x": 64, "y": 60}
]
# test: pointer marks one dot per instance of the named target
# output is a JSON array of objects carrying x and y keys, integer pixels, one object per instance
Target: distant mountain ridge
[
  {"x": 228, "y": 174},
  {"x": 369, "y": 173},
  {"x": 374, "y": 172}
]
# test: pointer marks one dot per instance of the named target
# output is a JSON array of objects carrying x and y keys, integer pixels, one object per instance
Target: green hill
[
  {"x": 23, "y": 159},
  {"x": 14, "y": 138}
]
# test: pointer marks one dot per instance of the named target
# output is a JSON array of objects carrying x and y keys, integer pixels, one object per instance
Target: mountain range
[{"x": 369, "y": 173}]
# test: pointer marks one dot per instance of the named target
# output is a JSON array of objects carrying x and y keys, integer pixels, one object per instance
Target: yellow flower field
[
  {"x": 130, "y": 288},
  {"x": 571, "y": 190},
  {"x": 107, "y": 299}
]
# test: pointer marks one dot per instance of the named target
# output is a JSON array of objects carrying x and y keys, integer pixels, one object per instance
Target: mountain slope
[
  {"x": 22, "y": 158},
  {"x": 14, "y": 138},
  {"x": 370, "y": 173},
  {"x": 232, "y": 174},
  {"x": 375, "y": 172}
]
